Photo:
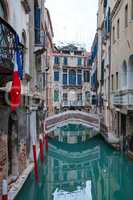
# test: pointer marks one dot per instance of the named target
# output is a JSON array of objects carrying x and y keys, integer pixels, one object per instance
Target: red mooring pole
[
  {"x": 41, "y": 149},
  {"x": 46, "y": 136},
  {"x": 4, "y": 190},
  {"x": 35, "y": 162}
]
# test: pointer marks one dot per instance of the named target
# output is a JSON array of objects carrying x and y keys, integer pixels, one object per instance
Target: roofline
[{"x": 50, "y": 20}]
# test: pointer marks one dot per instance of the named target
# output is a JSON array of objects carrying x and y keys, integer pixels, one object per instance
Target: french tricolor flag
[{"x": 15, "y": 93}]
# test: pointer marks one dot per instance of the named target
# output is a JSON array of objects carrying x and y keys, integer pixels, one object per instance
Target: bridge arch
[{"x": 76, "y": 117}]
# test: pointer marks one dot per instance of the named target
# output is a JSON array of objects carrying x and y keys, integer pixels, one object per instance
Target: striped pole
[
  {"x": 4, "y": 190},
  {"x": 33, "y": 137},
  {"x": 41, "y": 148},
  {"x": 35, "y": 158}
]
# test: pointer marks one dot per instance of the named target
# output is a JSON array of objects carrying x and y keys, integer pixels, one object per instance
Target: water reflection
[
  {"x": 89, "y": 170},
  {"x": 73, "y": 133}
]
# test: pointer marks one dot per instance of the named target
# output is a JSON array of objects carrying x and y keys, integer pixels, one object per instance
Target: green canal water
[{"x": 89, "y": 170}]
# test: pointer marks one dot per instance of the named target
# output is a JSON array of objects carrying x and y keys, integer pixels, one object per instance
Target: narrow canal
[{"x": 88, "y": 169}]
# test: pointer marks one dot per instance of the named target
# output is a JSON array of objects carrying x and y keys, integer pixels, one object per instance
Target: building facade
[
  {"x": 122, "y": 70},
  {"x": 71, "y": 79},
  {"x": 29, "y": 22},
  {"x": 114, "y": 68},
  {"x": 14, "y": 126}
]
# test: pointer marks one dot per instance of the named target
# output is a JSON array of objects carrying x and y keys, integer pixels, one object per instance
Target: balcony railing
[
  {"x": 72, "y": 103},
  {"x": 8, "y": 48},
  {"x": 123, "y": 98}
]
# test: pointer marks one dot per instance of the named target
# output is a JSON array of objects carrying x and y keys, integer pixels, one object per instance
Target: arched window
[
  {"x": 65, "y": 61},
  {"x": 124, "y": 75},
  {"x": 23, "y": 41},
  {"x": 3, "y": 10},
  {"x": 23, "y": 38},
  {"x": 72, "y": 77},
  {"x": 130, "y": 72}
]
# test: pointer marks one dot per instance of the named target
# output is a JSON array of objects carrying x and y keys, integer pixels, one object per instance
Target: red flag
[{"x": 15, "y": 93}]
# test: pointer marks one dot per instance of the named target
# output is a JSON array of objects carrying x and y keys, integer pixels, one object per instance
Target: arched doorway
[
  {"x": 130, "y": 72},
  {"x": 124, "y": 76}
]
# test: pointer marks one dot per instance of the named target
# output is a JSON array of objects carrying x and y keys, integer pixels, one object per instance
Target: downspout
[{"x": 109, "y": 93}]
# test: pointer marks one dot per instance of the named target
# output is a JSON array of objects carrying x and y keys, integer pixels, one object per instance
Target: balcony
[
  {"x": 72, "y": 103},
  {"x": 123, "y": 98},
  {"x": 7, "y": 50}
]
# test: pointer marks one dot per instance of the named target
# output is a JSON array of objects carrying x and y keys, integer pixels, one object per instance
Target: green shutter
[{"x": 56, "y": 96}]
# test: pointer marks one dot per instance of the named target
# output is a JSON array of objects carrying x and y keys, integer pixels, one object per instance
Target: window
[
  {"x": 56, "y": 95},
  {"x": 113, "y": 34},
  {"x": 44, "y": 80},
  {"x": 102, "y": 73},
  {"x": 86, "y": 76},
  {"x": 94, "y": 100},
  {"x": 65, "y": 61},
  {"x": 37, "y": 17},
  {"x": 117, "y": 81},
  {"x": 118, "y": 28},
  {"x": 65, "y": 77},
  {"x": 112, "y": 82},
  {"x": 131, "y": 9},
  {"x": 65, "y": 97},
  {"x": 124, "y": 75},
  {"x": 87, "y": 96},
  {"x": 56, "y": 60},
  {"x": 79, "y": 61},
  {"x": 126, "y": 15},
  {"x": 79, "y": 97},
  {"x": 23, "y": 41},
  {"x": 72, "y": 77},
  {"x": 79, "y": 77},
  {"x": 56, "y": 76},
  {"x": 3, "y": 10}
]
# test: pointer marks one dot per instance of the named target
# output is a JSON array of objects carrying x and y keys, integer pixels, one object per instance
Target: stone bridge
[{"x": 76, "y": 117}]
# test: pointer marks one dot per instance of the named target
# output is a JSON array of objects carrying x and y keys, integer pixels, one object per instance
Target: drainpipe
[{"x": 109, "y": 101}]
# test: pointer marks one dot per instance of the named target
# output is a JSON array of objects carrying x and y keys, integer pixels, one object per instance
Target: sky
[{"x": 73, "y": 20}]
